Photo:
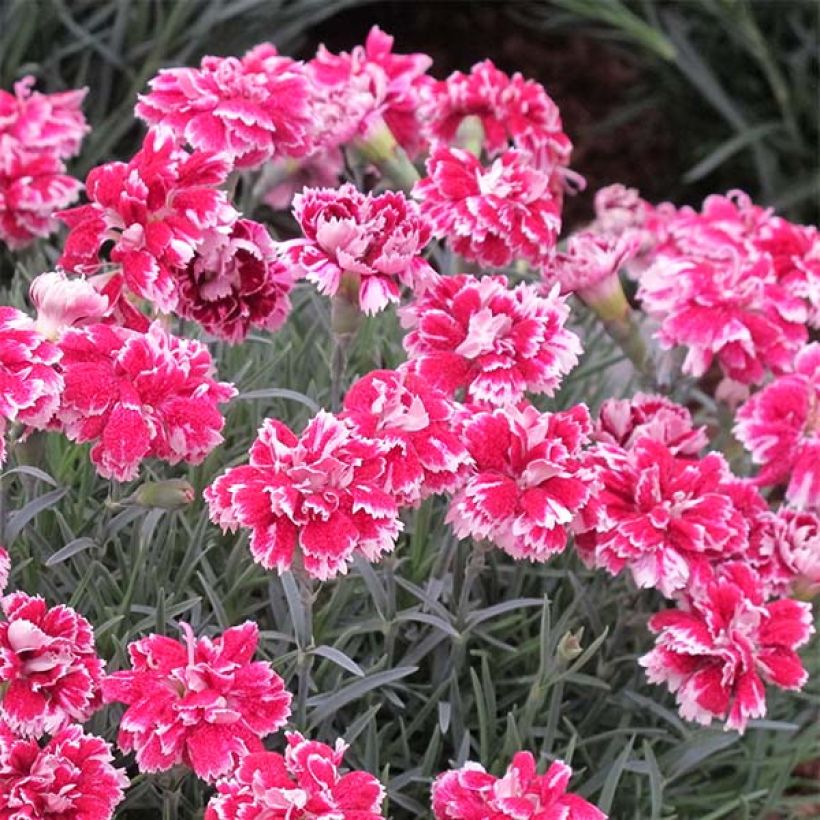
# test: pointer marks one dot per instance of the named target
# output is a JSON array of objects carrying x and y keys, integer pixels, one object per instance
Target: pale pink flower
[
  {"x": 471, "y": 793},
  {"x": 415, "y": 422},
  {"x": 716, "y": 650},
  {"x": 529, "y": 482},
  {"x": 236, "y": 283},
  {"x": 368, "y": 85},
  {"x": 49, "y": 670},
  {"x": 250, "y": 109},
  {"x": 155, "y": 209},
  {"x": 33, "y": 187},
  {"x": 139, "y": 395},
  {"x": 30, "y": 384},
  {"x": 493, "y": 341},
  {"x": 305, "y": 783},
  {"x": 492, "y": 214},
  {"x": 50, "y": 124},
  {"x": 377, "y": 240},
  {"x": 661, "y": 515},
  {"x": 62, "y": 302},
  {"x": 71, "y": 777},
  {"x": 622, "y": 422},
  {"x": 320, "y": 493},
  {"x": 202, "y": 703},
  {"x": 780, "y": 426}
]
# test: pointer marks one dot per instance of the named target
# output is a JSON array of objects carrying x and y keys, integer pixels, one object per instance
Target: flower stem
[
  {"x": 345, "y": 321},
  {"x": 380, "y": 148}
]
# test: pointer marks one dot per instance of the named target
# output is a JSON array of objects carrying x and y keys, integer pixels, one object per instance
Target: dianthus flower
[
  {"x": 33, "y": 187},
  {"x": 250, "y": 109},
  {"x": 62, "y": 302},
  {"x": 622, "y": 422},
  {"x": 780, "y": 426},
  {"x": 235, "y": 283},
  {"x": 303, "y": 784},
  {"x": 471, "y": 793},
  {"x": 203, "y": 703},
  {"x": 377, "y": 240},
  {"x": 730, "y": 311},
  {"x": 661, "y": 515},
  {"x": 494, "y": 342},
  {"x": 72, "y": 777},
  {"x": 530, "y": 480},
  {"x": 282, "y": 179},
  {"x": 716, "y": 650},
  {"x": 414, "y": 421},
  {"x": 371, "y": 84},
  {"x": 511, "y": 109},
  {"x": 139, "y": 395},
  {"x": 49, "y": 670},
  {"x": 155, "y": 209},
  {"x": 794, "y": 536},
  {"x": 494, "y": 214},
  {"x": 50, "y": 124},
  {"x": 321, "y": 493},
  {"x": 30, "y": 384}
]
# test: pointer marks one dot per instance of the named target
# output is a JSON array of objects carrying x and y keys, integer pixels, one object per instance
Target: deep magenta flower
[
  {"x": 71, "y": 777},
  {"x": 250, "y": 109},
  {"x": 203, "y": 703},
  {"x": 723, "y": 642},
  {"x": 49, "y": 670},
  {"x": 471, "y": 793},
  {"x": 236, "y": 282},
  {"x": 304, "y": 783},
  {"x": 622, "y": 422},
  {"x": 780, "y": 426},
  {"x": 492, "y": 341},
  {"x": 321, "y": 493},
  {"x": 139, "y": 395},
  {"x": 493, "y": 214},
  {"x": 423, "y": 454},
  {"x": 530, "y": 480},
  {"x": 661, "y": 515},
  {"x": 377, "y": 240},
  {"x": 154, "y": 210}
]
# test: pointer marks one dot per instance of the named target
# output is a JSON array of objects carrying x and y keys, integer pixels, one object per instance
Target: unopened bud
[
  {"x": 171, "y": 494},
  {"x": 569, "y": 647}
]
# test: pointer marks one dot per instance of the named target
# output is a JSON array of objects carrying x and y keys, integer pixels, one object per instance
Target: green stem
[
  {"x": 305, "y": 659},
  {"x": 345, "y": 321}
]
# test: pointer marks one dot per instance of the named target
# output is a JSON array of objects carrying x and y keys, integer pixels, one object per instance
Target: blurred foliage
[{"x": 736, "y": 79}]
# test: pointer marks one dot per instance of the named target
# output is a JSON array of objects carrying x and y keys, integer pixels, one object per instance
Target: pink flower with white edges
[
  {"x": 203, "y": 703},
  {"x": 530, "y": 480},
  {"x": 622, "y": 422},
  {"x": 471, "y": 793},
  {"x": 661, "y": 515},
  {"x": 51, "y": 124},
  {"x": 235, "y": 283},
  {"x": 304, "y": 783},
  {"x": 72, "y": 777},
  {"x": 139, "y": 395},
  {"x": 491, "y": 214},
  {"x": 511, "y": 109},
  {"x": 155, "y": 209},
  {"x": 63, "y": 302},
  {"x": 493, "y": 341},
  {"x": 30, "y": 384},
  {"x": 33, "y": 187},
  {"x": 375, "y": 239},
  {"x": 250, "y": 109},
  {"x": 780, "y": 426},
  {"x": 716, "y": 650},
  {"x": 367, "y": 85},
  {"x": 321, "y": 493},
  {"x": 5, "y": 569},
  {"x": 730, "y": 311},
  {"x": 415, "y": 422},
  {"x": 49, "y": 670},
  {"x": 794, "y": 536}
]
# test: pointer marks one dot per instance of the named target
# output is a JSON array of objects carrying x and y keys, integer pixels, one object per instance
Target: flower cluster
[
  {"x": 203, "y": 703},
  {"x": 490, "y": 340},
  {"x": 304, "y": 783},
  {"x": 470, "y": 793},
  {"x": 38, "y": 132}
]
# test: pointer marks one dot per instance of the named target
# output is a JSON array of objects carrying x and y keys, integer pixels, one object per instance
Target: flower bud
[
  {"x": 171, "y": 494},
  {"x": 569, "y": 647}
]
